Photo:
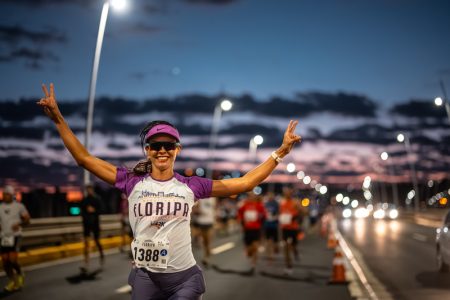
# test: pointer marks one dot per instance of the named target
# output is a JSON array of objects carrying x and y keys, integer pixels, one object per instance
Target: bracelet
[{"x": 275, "y": 156}]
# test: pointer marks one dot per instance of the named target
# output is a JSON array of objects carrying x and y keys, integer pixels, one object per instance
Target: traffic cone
[
  {"x": 338, "y": 276},
  {"x": 332, "y": 242}
]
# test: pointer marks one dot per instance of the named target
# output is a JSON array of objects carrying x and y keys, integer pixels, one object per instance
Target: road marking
[
  {"x": 420, "y": 237},
  {"x": 222, "y": 248},
  {"x": 124, "y": 289}
]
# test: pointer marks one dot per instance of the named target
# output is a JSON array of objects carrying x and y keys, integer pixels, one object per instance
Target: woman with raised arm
[{"x": 160, "y": 203}]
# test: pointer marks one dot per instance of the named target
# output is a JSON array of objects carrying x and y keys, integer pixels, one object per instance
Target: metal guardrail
[{"x": 57, "y": 231}]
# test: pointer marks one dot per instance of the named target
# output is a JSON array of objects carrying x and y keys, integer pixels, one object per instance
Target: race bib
[
  {"x": 8, "y": 241},
  {"x": 285, "y": 219},
  {"x": 250, "y": 216},
  {"x": 153, "y": 253}
]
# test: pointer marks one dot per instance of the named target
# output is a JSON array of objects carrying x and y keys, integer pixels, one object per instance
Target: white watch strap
[{"x": 276, "y": 157}]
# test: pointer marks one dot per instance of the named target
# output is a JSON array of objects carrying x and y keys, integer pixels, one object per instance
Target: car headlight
[
  {"x": 379, "y": 214},
  {"x": 347, "y": 213},
  {"x": 393, "y": 214}
]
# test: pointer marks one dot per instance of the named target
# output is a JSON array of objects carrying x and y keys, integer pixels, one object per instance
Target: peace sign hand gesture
[
  {"x": 49, "y": 103},
  {"x": 290, "y": 138}
]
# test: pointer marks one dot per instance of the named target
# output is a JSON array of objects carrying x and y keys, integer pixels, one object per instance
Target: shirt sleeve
[
  {"x": 121, "y": 179},
  {"x": 202, "y": 187},
  {"x": 22, "y": 210}
]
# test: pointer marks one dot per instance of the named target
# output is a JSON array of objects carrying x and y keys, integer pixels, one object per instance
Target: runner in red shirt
[
  {"x": 289, "y": 223},
  {"x": 251, "y": 215}
]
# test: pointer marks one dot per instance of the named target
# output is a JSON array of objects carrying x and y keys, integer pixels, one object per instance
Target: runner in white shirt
[
  {"x": 13, "y": 215},
  {"x": 160, "y": 203}
]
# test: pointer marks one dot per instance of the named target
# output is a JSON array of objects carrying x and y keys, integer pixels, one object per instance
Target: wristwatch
[{"x": 275, "y": 156}]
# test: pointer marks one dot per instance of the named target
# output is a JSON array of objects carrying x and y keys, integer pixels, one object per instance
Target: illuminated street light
[
  {"x": 290, "y": 167},
  {"x": 405, "y": 138},
  {"x": 439, "y": 101},
  {"x": 384, "y": 156},
  {"x": 224, "y": 105},
  {"x": 117, "y": 4},
  {"x": 253, "y": 145},
  {"x": 400, "y": 137}
]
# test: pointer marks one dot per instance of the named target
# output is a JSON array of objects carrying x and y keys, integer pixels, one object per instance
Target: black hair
[{"x": 145, "y": 166}]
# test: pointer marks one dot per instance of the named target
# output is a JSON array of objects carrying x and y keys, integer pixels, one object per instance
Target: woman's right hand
[{"x": 49, "y": 103}]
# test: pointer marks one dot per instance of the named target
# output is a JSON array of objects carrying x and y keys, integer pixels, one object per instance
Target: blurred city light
[
  {"x": 323, "y": 189},
  {"x": 361, "y": 213},
  {"x": 200, "y": 172},
  {"x": 346, "y": 200},
  {"x": 305, "y": 202},
  {"x": 306, "y": 180},
  {"x": 438, "y": 101},
  {"x": 226, "y": 105},
  {"x": 257, "y": 190},
  {"x": 118, "y": 4},
  {"x": 300, "y": 175},
  {"x": 258, "y": 140},
  {"x": 290, "y": 167},
  {"x": 367, "y": 195},
  {"x": 347, "y": 213},
  {"x": 384, "y": 156},
  {"x": 354, "y": 203},
  {"x": 400, "y": 138},
  {"x": 339, "y": 197}
]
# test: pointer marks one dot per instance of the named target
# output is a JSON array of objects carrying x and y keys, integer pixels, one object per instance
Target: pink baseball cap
[{"x": 163, "y": 128}]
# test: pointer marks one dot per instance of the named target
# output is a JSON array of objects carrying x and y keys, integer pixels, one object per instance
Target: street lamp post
[
  {"x": 253, "y": 145},
  {"x": 119, "y": 4},
  {"x": 404, "y": 138},
  {"x": 225, "y": 105},
  {"x": 384, "y": 156},
  {"x": 439, "y": 101}
]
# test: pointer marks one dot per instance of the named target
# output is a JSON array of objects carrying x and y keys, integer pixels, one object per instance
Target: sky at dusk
[{"x": 353, "y": 72}]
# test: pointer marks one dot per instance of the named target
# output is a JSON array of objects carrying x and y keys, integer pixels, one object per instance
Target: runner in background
[
  {"x": 252, "y": 215},
  {"x": 126, "y": 232},
  {"x": 90, "y": 214},
  {"x": 13, "y": 215},
  {"x": 205, "y": 216},
  {"x": 290, "y": 213},
  {"x": 271, "y": 225}
]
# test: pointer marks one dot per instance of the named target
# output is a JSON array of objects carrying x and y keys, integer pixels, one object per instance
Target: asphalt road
[
  {"x": 400, "y": 255},
  {"x": 227, "y": 278}
]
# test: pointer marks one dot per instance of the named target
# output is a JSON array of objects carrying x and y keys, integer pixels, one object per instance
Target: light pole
[
  {"x": 439, "y": 101},
  {"x": 384, "y": 156},
  {"x": 404, "y": 138},
  {"x": 253, "y": 145},
  {"x": 224, "y": 105},
  {"x": 118, "y": 4}
]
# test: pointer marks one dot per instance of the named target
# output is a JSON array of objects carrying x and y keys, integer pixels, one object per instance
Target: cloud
[
  {"x": 419, "y": 109},
  {"x": 29, "y": 45},
  {"x": 14, "y": 34}
]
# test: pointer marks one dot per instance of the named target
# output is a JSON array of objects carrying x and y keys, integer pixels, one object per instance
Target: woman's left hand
[{"x": 290, "y": 138}]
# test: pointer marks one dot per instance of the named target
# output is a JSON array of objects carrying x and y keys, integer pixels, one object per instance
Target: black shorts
[
  {"x": 251, "y": 235},
  {"x": 13, "y": 248},
  {"x": 290, "y": 234},
  {"x": 271, "y": 233},
  {"x": 93, "y": 228}
]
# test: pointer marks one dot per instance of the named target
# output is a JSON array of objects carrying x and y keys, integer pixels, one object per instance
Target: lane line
[
  {"x": 420, "y": 237},
  {"x": 362, "y": 277},
  {"x": 123, "y": 289},
  {"x": 222, "y": 248}
]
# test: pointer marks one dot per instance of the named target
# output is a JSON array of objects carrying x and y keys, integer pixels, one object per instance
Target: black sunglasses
[{"x": 156, "y": 146}]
